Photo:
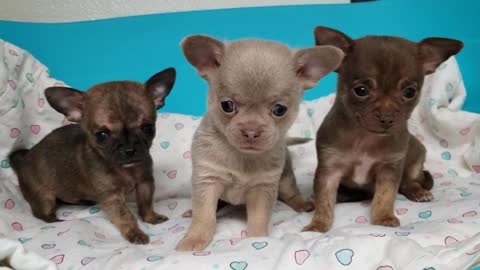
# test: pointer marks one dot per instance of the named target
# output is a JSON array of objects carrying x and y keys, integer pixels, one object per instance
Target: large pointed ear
[
  {"x": 434, "y": 51},
  {"x": 203, "y": 52},
  {"x": 329, "y": 36},
  {"x": 160, "y": 85},
  {"x": 67, "y": 101},
  {"x": 312, "y": 64}
]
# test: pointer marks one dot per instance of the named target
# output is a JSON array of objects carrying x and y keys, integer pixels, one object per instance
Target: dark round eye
[
  {"x": 279, "y": 110},
  {"x": 148, "y": 129},
  {"x": 409, "y": 92},
  {"x": 360, "y": 91},
  {"x": 102, "y": 135},
  {"x": 228, "y": 106}
]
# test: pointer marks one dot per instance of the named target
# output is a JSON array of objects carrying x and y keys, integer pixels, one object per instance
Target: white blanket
[{"x": 442, "y": 234}]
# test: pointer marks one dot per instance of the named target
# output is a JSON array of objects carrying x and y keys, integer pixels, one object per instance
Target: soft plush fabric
[{"x": 442, "y": 234}]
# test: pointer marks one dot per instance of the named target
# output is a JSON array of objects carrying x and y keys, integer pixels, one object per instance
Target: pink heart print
[
  {"x": 301, "y": 256},
  {"x": 385, "y": 267},
  {"x": 15, "y": 132},
  {"x": 187, "y": 154},
  {"x": 12, "y": 84},
  {"x": 172, "y": 174},
  {"x": 17, "y": 226},
  {"x": 41, "y": 102},
  {"x": 465, "y": 131},
  {"x": 361, "y": 220},
  {"x": 58, "y": 259},
  {"x": 9, "y": 204},
  {"x": 35, "y": 129},
  {"x": 401, "y": 211},
  {"x": 449, "y": 240}
]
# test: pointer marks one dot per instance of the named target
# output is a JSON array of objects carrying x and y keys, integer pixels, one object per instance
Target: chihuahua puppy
[
  {"x": 239, "y": 151},
  {"x": 102, "y": 158},
  {"x": 363, "y": 143}
]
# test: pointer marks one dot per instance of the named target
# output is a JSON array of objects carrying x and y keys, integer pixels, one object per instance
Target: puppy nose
[
  {"x": 386, "y": 121},
  {"x": 130, "y": 151},
  {"x": 251, "y": 134}
]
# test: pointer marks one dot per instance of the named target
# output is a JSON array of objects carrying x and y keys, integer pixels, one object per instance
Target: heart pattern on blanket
[
  {"x": 449, "y": 240},
  {"x": 58, "y": 259},
  {"x": 301, "y": 256},
  {"x": 15, "y": 132},
  {"x": 345, "y": 256},
  {"x": 35, "y": 129},
  {"x": 87, "y": 260},
  {"x": 259, "y": 245},
  {"x": 385, "y": 267},
  {"x": 154, "y": 258},
  {"x": 469, "y": 214},
  {"x": 401, "y": 211},
  {"x": 361, "y": 220},
  {"x": 238, "y": 265},
  {"x": 172, "y": 174},
  {"x": 165, "y": 145},
  {"x": 12, "y": 84},
  {"x": 48, "y": 246},
  {"x": 9, "y": 204},
  {"x": 425, "y": 214},
  {"x": 5, "y": 164}
]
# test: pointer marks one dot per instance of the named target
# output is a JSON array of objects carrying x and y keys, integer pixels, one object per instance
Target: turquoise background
[{"x": 134, "y": 48}]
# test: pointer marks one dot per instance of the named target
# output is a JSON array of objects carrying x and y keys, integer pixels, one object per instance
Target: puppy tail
[
  {"x": 427, "y": 180},
  {"x": 297, "y": 140},
  {"x": 16, "y": 158}
]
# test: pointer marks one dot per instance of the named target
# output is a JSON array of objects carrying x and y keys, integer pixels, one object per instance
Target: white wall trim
[{"x": 85, "y": 10}]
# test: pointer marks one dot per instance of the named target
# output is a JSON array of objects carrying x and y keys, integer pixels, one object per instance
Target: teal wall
[{"x": 86, "y": 53}]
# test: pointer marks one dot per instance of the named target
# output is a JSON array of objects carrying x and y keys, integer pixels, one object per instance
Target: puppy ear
[
  {"x": 329, "y": 36},
  {"x": 203, "y": 52},
  {"x": 434, "y": 51},
  {"x": 160, "y": 85},
  {"x": 312, "y": 64},
  {"x": 67, "y": 101}
]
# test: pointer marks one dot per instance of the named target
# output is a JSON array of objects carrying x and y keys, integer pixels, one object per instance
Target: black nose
[{"x": 130, "y": 152}]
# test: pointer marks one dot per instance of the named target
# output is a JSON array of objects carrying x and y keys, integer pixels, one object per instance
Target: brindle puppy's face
[
  {"x": 255, "y": 86},
  {"x": 381, "y": 77},
  {"x": 118, "y": 117},
  {"x": 120, "y": 121}
]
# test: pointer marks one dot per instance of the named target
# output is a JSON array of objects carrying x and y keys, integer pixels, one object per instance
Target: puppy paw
[
  {"x": 300, "y": 205},
  {"x": 192, "y": 243},
  {"x": 155, "y": 218},
  {"x": 421, "y": 195},
  {"x": 388, "y": 221},
  {"x": 136, "y": 236},
  {"x": 321, "y": 227}
]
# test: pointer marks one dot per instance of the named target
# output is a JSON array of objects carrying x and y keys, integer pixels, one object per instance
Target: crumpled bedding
[{"x": 442, "y": 234}]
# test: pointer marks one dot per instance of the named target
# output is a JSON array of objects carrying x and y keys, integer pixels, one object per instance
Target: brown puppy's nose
[{"x": 386, "y": 120}]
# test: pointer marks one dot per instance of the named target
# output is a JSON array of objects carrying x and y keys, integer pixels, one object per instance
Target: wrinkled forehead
[
  {"x": 125, "y": 105},
  {"x": 386, "y": 59},
  {"x": 258, "y": 77}
]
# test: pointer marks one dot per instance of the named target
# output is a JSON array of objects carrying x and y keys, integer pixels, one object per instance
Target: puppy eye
[
  {"x": 279, "y": 110},
  {"x": 409, "y": 92},
  {"x": 360, "y": 91},
  {"x": 228, "y": 106},
  {"x": 148, "y": 129},
  {"x": 102, "y": 135}
]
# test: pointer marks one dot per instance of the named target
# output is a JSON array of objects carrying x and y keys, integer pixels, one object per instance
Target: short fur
[
  {"x": 363, "y": 143},
  {"x": 72, "y": 165},
  {"x": 240, "y": 157}
]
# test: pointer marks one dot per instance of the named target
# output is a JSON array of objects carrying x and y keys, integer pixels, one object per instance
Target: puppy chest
[
  {"x": 361, "y": 169},
  {"x": 236, "y": 191}
]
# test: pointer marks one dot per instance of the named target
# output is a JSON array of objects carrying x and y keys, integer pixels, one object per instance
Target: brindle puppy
[{"x": 102, "y": 158}]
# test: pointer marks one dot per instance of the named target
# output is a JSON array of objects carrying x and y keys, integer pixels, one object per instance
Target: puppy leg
[
  {"x": 116, "y": 209},
  {"x": 386, "y": 186},
  {"x": 259, "y": 201},
  {"x": 288, "y": 190},
  {"x": 144, "y": 196},
  {"x": 326, "y": 184},
  {"x": 416, "y": 182},
  {"x": 42, "y": 202},
  {"x": 204, "y": 205}
]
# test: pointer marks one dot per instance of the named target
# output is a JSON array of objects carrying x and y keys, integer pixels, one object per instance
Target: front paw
[
  {"x": 193, "y": 243},
  {"x": 420, "y": 195},
  {"x": 136, "y": 236},
  {"x": 387, "y": 220},
  {"x": 155, "y": 218},
  {"x": 321, "y": 227}
]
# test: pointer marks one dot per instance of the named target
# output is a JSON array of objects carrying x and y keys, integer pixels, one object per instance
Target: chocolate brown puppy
[
  {"x": 363, "y": 143},
  {"x": 101, "y": 159},
  {"x": 239, "y": 151}
]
